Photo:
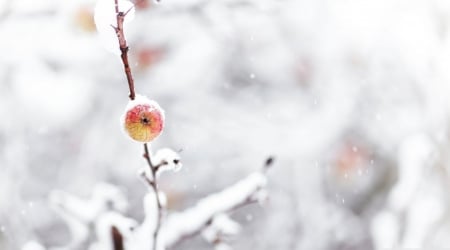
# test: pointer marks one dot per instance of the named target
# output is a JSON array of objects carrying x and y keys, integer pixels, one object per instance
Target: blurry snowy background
[{"x": 352, "y": 97}]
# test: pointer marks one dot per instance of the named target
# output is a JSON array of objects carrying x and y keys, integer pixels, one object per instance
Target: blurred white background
[{"x": 351, "y": 97}]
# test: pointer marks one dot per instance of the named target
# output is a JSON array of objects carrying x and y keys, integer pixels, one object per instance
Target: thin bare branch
[
  {"x": 154, "y": 184},
  {"x": 120, "y": 16}
]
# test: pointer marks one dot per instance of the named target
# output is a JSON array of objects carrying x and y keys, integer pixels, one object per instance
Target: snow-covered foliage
[
  {"x": 351, "y": 96},
  {"x": 104, "y": 211},
  {"x": 207, "y": 211}
]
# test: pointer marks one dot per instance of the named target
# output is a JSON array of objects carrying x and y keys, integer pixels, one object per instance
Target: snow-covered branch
[
  {"x": 102, "y": 215},
  {"x": 192, "y": 221},
  {"x": 153, "y": 182}
]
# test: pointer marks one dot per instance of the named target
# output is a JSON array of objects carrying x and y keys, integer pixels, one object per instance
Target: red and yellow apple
[{"x": 143, "y": 120}]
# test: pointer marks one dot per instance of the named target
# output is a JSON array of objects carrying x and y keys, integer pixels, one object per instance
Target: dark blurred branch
[{"x": 117, "y": 239}]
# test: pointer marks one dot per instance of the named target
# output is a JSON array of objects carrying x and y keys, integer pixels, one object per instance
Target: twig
[
  {"x": 154, "y": 184},
  {"x": 124, "y": 47}
]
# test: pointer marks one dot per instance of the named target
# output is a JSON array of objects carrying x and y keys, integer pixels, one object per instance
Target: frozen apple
[{"x": 143, "y": 120}]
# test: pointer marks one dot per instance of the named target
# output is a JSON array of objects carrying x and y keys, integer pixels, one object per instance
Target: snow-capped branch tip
[{"x": 166, "y": 159}]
